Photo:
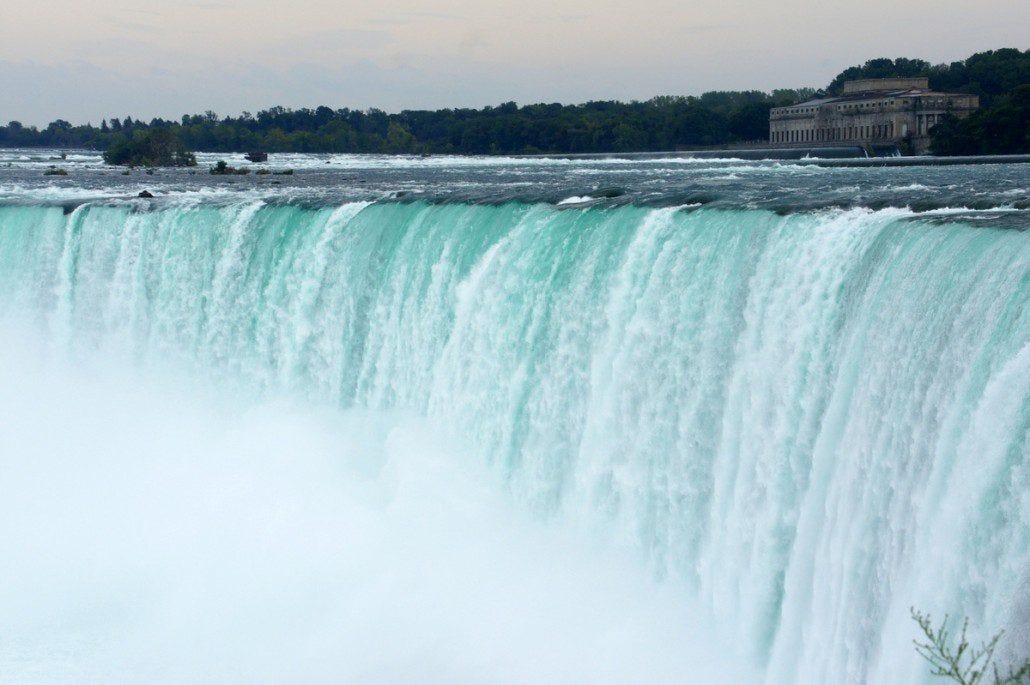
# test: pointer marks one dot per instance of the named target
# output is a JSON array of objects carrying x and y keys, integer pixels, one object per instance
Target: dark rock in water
[
  {"x": 257, "y": 156},
  {"x": 145, "y": 194}
]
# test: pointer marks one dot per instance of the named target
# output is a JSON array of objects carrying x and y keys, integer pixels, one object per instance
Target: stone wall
[{"x": 868, "y": 84}]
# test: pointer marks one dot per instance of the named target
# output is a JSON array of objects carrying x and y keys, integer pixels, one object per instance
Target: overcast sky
[{"x": 83, "y": 61}]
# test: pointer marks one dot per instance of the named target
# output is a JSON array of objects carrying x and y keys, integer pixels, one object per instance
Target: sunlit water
[{"x": 488, "y": 420}]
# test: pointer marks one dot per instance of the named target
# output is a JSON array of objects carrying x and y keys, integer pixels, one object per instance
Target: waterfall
[{"x": 809, "y": 422}]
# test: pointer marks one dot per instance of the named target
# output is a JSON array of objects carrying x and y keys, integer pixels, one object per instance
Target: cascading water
[{"x": 809, "y": 422}]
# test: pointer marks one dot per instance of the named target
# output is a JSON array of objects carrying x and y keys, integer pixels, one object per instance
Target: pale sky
[{"x": 83, "y": 61}]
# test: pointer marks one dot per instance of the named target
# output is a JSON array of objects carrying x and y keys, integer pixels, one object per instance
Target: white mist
[{"x": 156, "y": 530}]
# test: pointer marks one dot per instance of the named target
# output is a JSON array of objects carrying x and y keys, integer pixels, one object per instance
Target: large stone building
[{"x": 870, "y": 113}]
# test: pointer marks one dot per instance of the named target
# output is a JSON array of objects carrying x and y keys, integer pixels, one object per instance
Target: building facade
[{"x": 870, "y": 113}]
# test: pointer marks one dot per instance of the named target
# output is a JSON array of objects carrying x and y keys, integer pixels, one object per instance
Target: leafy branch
[{"x": 963, "y": 663}]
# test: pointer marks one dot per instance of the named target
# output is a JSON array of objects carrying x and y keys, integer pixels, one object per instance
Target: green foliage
[
  {"x": 158, "y": 147},
  {"x": 222, "y": 168},
  {"x": 961, "y": 662},
  {"x": 751, "y": 121},
  {"x": 663, "y": 123},
  {"x": 988, "y": 74},
  {"x": 1002, "y": 128}
]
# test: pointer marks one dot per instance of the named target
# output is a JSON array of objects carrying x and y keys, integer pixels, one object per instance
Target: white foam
[{"x": 156, "y": 530}]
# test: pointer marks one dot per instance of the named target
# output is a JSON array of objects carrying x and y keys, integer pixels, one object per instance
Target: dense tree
[
  {"x": 1002, "y": 128},
  {"x": 157, "y": 147}
]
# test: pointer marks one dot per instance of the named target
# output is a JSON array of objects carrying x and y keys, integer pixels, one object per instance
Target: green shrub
[
  {"x": 222, "y": 168},
  {"x": 156, "y": 147}
]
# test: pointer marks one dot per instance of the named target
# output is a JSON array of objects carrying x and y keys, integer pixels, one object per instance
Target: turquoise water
[{"x": 809, "y": 422}]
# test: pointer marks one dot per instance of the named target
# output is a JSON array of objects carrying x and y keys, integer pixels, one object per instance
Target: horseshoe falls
[{"x": 248, "y": 437}]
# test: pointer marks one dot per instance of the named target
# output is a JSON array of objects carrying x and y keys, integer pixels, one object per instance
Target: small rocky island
[{"x": 156, "y": 147}]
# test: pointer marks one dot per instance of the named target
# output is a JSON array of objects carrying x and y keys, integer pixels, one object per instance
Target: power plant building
[{"x": 870, "y": 113}]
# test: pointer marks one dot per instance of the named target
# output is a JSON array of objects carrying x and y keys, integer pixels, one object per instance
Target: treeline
[{"x": 662, "y": 123}]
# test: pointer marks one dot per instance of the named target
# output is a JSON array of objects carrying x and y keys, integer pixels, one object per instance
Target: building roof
[{"x": 871, "y": 95}]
